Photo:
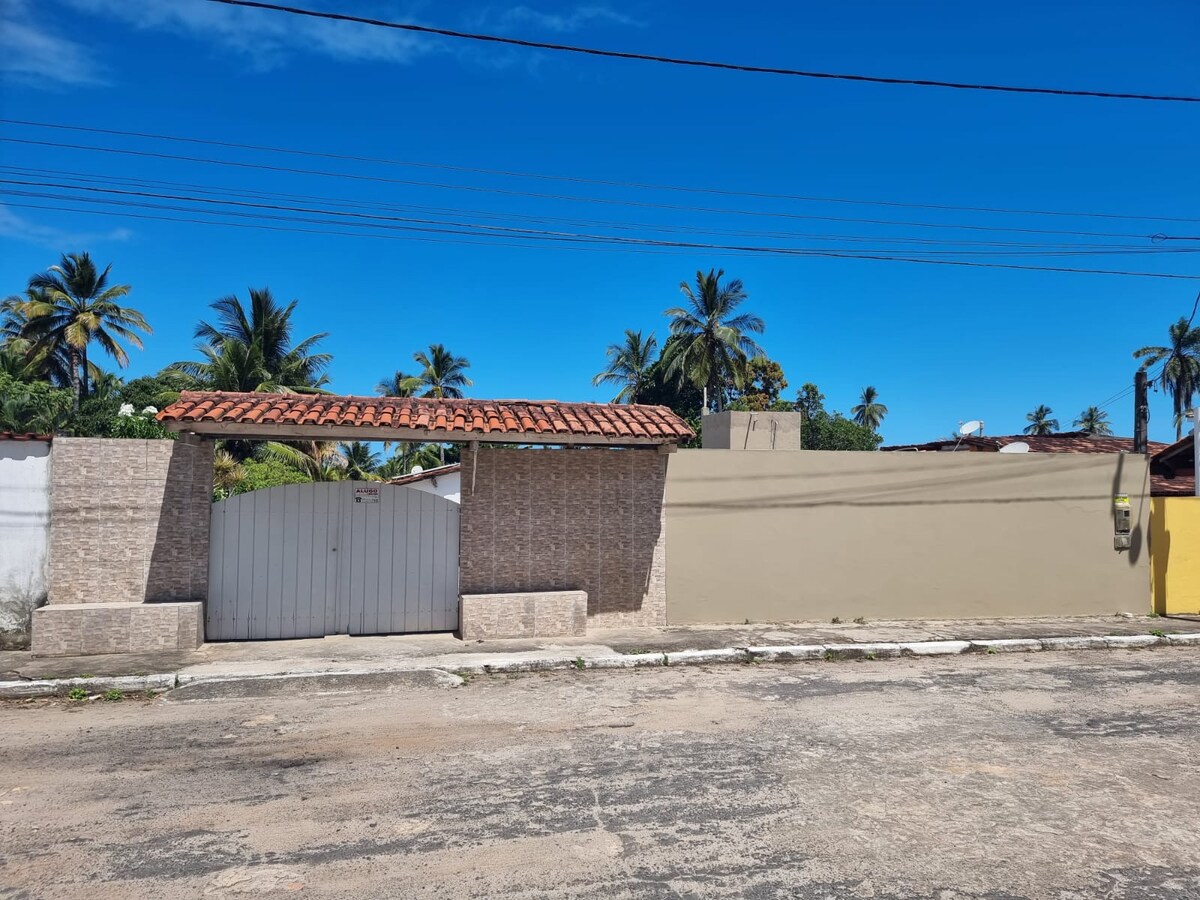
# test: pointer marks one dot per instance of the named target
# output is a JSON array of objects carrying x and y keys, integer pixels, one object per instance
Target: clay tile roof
[
  {"x": 379, "y": 417},
  {"x": 23, "y": 436},
  {"x": 1063, "y": 442},
  {"x": 1172, "y": 470}
]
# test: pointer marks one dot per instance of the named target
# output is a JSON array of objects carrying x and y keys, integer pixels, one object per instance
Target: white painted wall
[
  {"x": 24, "y": 534},
  {"x": 448, "y": 486}
]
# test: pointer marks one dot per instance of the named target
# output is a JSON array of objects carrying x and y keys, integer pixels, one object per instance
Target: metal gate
[{"x": 342, "y": 557}]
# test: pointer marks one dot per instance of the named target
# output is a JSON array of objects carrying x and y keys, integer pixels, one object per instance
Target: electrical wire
[
  {"x": 93, "y": 178},
  {"x": 458, "y": 225},
  {"x": 696, "y": 63},
  {"x": 379, "y": 179},
  {"x": 475, "y": 170},
  {"x": 794, "y": 252}
]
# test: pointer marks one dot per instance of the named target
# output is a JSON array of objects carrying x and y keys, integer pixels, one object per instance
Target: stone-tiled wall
[
  {"x": 129, "y": 520},
  {"x": 565, "y": 520},
  {"x": 540, "y": 614}
]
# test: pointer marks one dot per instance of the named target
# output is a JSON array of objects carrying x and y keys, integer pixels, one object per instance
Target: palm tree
[
  {"x": 629, "y": 365},
  {"x": 361, "y": 462},
  {"x": 715, "y": 346},
  {"x": 397, "y": 385},
  {"x": 1180, "y": 373},
  {"x": 406, "y": 457},
  {"x": 317, "y": 460},
  {"x": 74, "y": 306},
  {"x": 253, "y": 350},
  {"x": 442, "y": 375},
  {"x": 1040, "y": 422},
  {"x": 869, "y": 412},
  {"x": 1094, "y": 420}
]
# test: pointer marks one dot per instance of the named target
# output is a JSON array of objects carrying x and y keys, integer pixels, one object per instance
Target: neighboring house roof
[
  {"x": 437, "y": 472},
  {"x": 24, "y": 436},
  {"x": 1172, "y": 470},
  {"x": 412, "y": 418},
  {"x": 1063, "y": 442}
]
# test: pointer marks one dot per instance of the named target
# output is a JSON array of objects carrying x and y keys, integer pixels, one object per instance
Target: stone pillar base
[
  {"x": 523, "y": 615},
  {"x": 88, "y": 629}
]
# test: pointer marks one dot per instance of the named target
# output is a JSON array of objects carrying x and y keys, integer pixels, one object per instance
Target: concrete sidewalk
[{"x": 373, "y": 656}]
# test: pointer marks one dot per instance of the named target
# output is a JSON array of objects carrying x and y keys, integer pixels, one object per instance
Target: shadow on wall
[
  {"x": 178, "y": 564},
  {"x": 578, "y": 519}
]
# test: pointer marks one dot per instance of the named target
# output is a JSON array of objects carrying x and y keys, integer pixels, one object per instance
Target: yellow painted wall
[{"x": 1175, "y": 554}]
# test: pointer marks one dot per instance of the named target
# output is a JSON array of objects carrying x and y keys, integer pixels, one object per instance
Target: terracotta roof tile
[
  {"x": 379, "y": 416},
  {"x": 1063, "y": 442}
]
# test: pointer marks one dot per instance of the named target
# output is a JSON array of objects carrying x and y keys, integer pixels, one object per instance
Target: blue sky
[{"x": 941, "y": 343}]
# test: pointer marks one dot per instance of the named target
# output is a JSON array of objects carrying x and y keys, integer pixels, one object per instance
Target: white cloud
[
  {"x": 32, "y": 52},
  {"x": 268, "y": 39},
  {"x": 562, "y": 23},
  {"x": 20, "y": 228}
]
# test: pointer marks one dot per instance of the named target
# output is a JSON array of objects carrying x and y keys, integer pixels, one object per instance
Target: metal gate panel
[{"x": 307, "y": 560}]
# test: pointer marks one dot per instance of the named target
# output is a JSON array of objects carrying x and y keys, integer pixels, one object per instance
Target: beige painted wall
[{"x": 808, "y": 536}]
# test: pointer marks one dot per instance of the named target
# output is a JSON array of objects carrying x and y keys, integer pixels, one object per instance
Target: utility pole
[{"x": 1141, "y": 412}]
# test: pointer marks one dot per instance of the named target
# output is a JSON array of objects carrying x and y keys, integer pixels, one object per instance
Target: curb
[
  {"x": 20, "y": 690},
  {"x": 52, "y": 687}
]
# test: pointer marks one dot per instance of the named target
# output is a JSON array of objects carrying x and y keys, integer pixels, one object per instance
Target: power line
[
  {"x": 705, "y": 64},
  {"x": 544, "y": 219},
  {"x": 794, "y": 252},
  {"x": 515, "y": 231},
  {"x": 380, "y": 179},
  {"x": 475, "y": 170}
]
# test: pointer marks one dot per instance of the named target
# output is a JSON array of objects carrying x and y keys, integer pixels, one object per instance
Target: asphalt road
[{"x": 1064, "y": 775}]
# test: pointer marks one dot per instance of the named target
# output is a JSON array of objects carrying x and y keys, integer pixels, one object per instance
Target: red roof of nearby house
[
  {"x": 1064, "y": 442},
  {"x": 24, "y": 436},
  {"x": 546, "y": 419},
  {"x": 1172, "y": 470},
  {"x": 425, "y": 475}
]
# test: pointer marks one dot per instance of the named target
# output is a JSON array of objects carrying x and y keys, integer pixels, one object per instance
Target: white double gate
[{"x": 342, "y": 557}]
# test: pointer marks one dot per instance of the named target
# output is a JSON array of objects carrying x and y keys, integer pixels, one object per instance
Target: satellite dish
[
  {"x": 970, "y": 427},
  {"x": 416, "y": 470},
  {"x": 1015, "y": 447}
]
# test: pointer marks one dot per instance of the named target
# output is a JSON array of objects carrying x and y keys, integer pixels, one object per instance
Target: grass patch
[
  {"x": 77, "y": 693},
  {"x": 113, "y": 695}
]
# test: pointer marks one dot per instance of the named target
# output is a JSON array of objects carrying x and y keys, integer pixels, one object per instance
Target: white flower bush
[{"x": 126, "y": 410}]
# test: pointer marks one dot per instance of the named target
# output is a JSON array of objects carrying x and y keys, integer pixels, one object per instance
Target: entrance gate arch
[{"x": 341, "y": 557}]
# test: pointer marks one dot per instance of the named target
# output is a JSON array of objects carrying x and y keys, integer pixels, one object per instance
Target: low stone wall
[
  {"x": 84, "y": 629},
  {"x": 540, "y": 614}
]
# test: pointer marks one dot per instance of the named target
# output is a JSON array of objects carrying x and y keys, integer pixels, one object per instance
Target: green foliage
[
  {"x": 715, "y": 344},
  {"x": 764, "y": 382},
  {"x": 442, "y": 374},
  {"x": 1041, "y": 421},
  {"x": 833, "y": 431},
  {"x": 869, "y": 412},
  {"x": 139, "y": 425},
  {"x": 1094, "y": 420},
  {"x": 1180, "y": 372},
  {"x": 113, "y": 695},
  {"x": 252, "y": 350},
  {"x": 629, "y": 366},
  {"x": 35, "y": 407},
  {"x": 267, "y": 473},
  {"x": 77, "y": 693},
  {"x": 70, "y": 306}
]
